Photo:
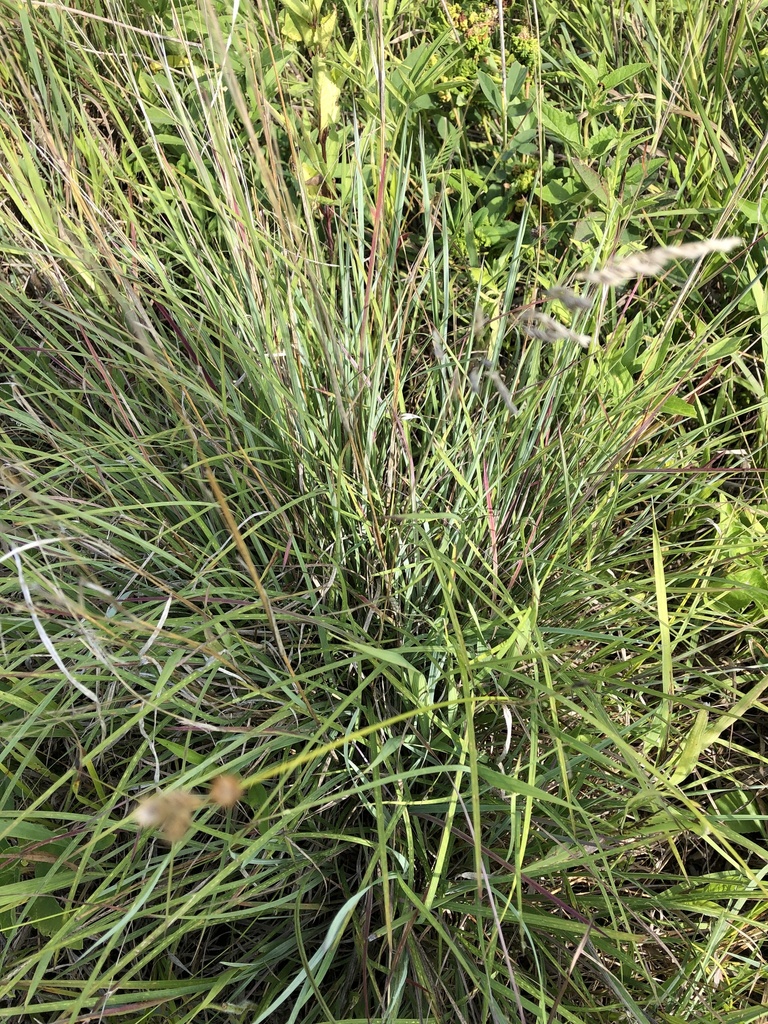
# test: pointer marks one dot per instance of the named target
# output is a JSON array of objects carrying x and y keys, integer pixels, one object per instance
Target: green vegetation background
[{"x": 311, "y": 479}]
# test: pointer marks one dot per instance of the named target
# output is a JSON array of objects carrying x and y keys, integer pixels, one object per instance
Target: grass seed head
[
  {"x": 226, "y": 790},
  {"x": 652, "y": 261},
  {"x": 569, "y": 298},
  {"x": 170, "y": 812}
]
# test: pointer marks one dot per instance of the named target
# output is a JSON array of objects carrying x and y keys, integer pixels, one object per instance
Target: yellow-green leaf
[
  {"x": 326, "y": 96},
  {"x": 325, "y": 31}
]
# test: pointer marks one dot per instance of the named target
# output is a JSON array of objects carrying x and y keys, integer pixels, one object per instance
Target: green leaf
[
  {"x": 675, "y": 406},
  {"x": 557, "y": 192},
  {"x": 741, "y": 812},
  {"x": 295, "y": 29},
  {"x": 46, "y": 915},
  {"x": 516, "y": 76},
  {"x": 590, "y": 75},
  {"x": 184, "y": 752},
  {"x": 561, "y": 124},
  {"x": 614, "y": 78},
  {"x": 602, "y": 141},
  {"x": 256, "y": 797},
  {"x": 490, "y": 90},
  {"x": 593, "y": 181},
  {"x": 692, "y": 749},
  {"x": 318, "y": 963},
  {"x": 325, "y": 30},
  {"x": 755, "y": 212},
  {"x": 509, "y": 784},
  {"x": 723, "y": 347},
  {"x": 299, "y": 12}
]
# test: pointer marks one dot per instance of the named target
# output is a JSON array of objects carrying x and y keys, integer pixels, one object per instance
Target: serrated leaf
[{"x": 561, "y": 124}]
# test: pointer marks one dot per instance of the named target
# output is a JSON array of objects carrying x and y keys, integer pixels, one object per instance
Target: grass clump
[{"x": 380, "y": 643}]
